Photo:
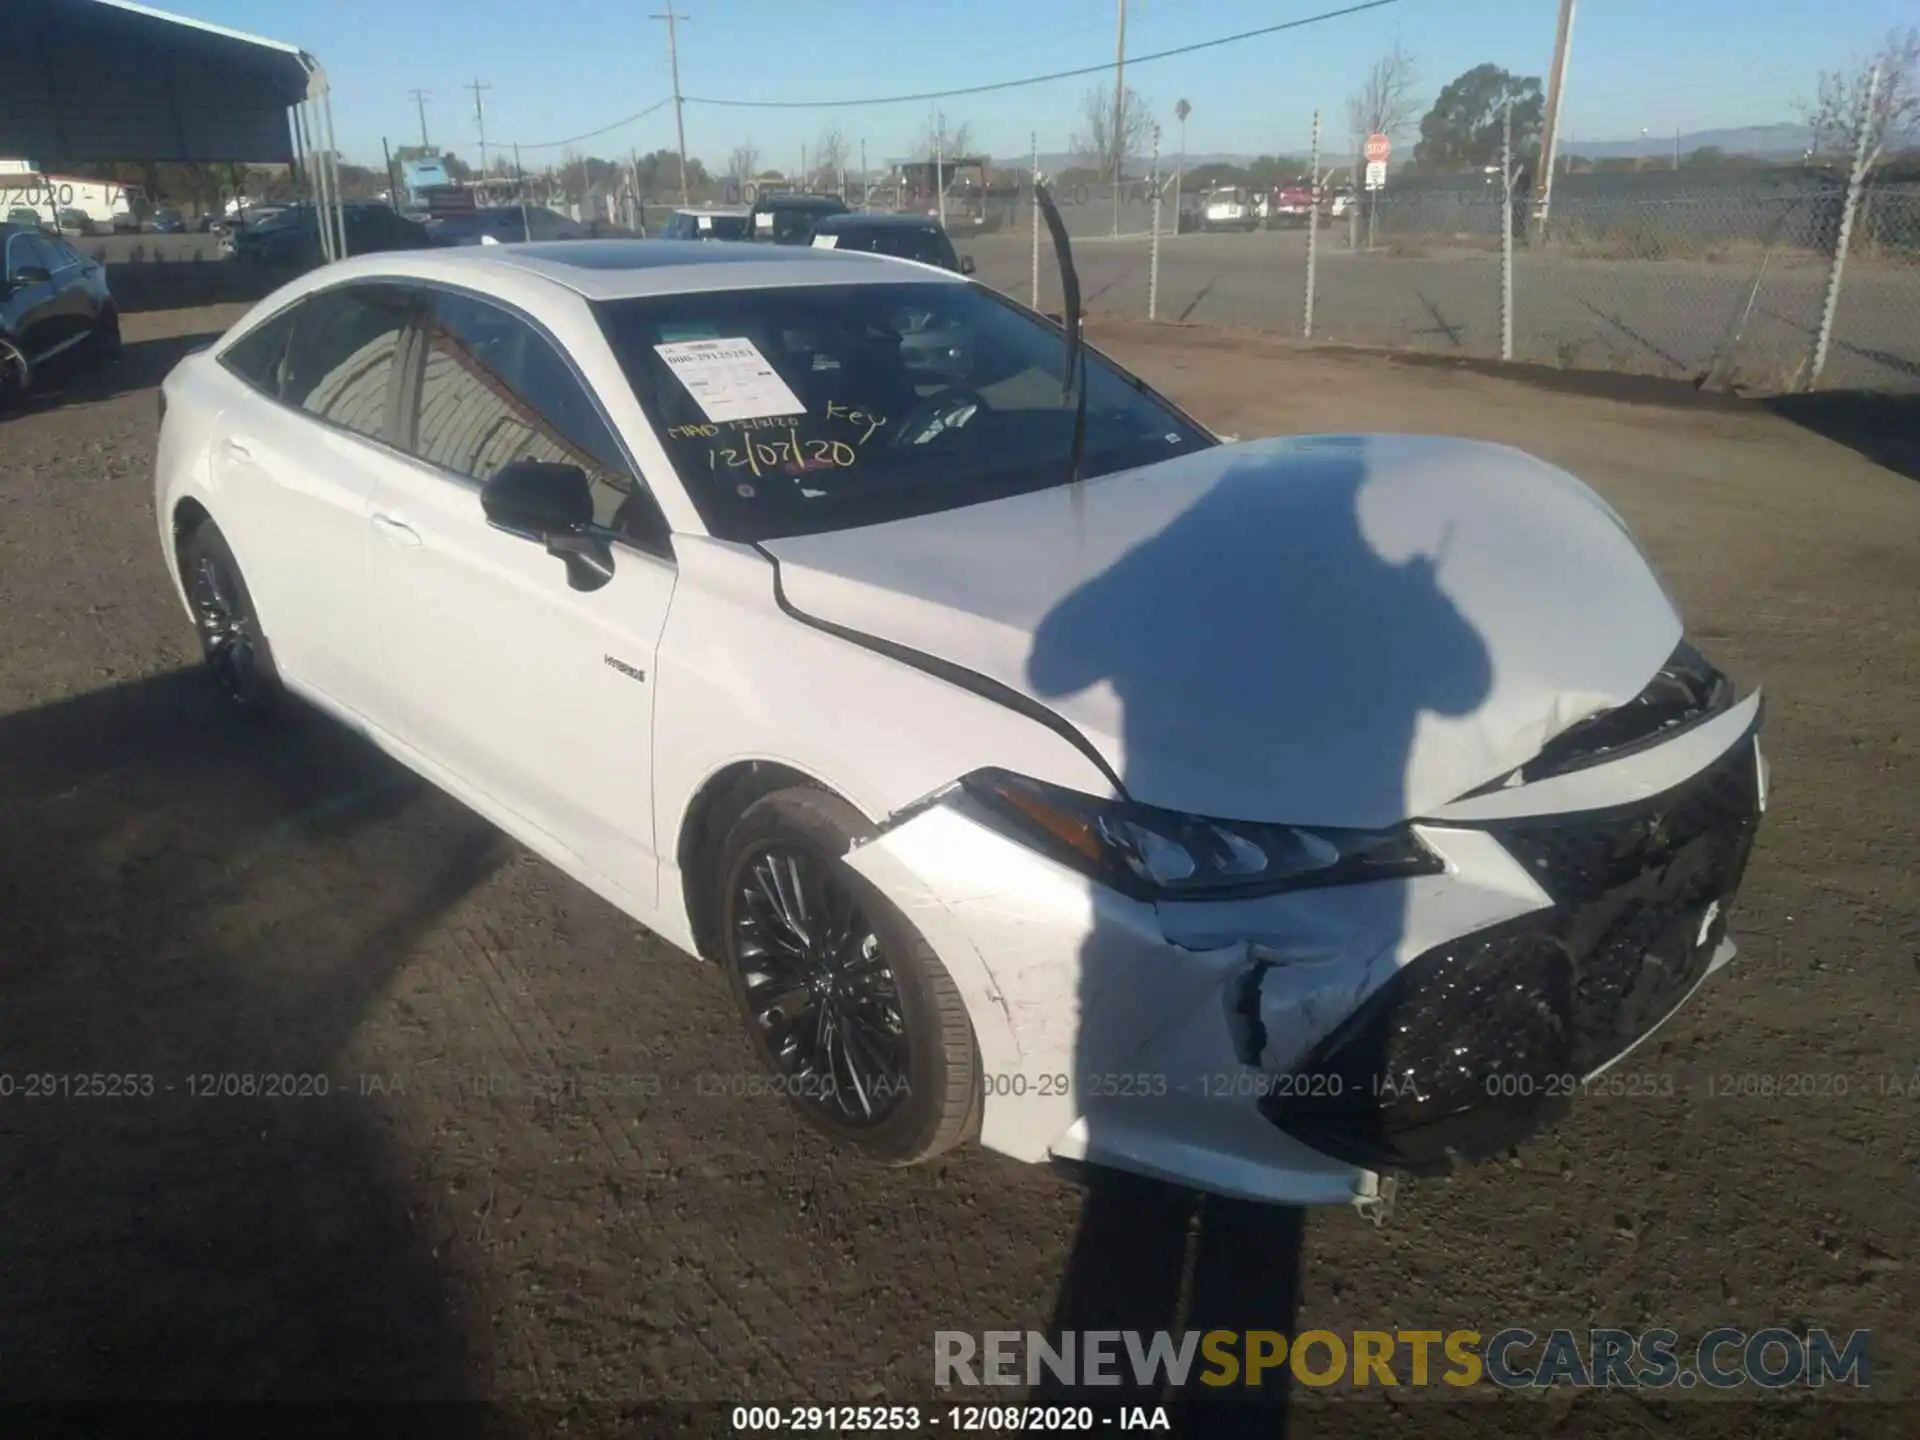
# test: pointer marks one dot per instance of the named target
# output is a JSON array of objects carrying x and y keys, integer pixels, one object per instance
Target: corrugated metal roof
[{"x": 92, "y": 80}]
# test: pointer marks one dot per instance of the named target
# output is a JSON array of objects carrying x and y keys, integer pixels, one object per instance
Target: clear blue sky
[{"x": 562, "y": 67}]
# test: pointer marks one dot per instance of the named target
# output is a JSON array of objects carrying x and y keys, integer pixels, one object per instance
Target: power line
[
  {"x": 1040, "y": 79},
  {"x": 595, "y": 134}
]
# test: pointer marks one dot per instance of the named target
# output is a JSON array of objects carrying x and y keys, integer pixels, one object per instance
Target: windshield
[{"x": 796, "y": 410}]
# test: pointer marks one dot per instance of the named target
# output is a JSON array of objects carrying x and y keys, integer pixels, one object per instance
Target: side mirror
[
  {"x": 30, "y": 275},
  {"x": 966, "y": 265},
  {"x": 552, "y": 505}
]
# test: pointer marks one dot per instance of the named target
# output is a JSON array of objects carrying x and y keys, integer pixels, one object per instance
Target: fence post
[
  {"x": 1506, "y": 232},
  {"x": 1852, "y": 203},
  {"x": 1153, "y": 251},
  {"x": 1033, "y": 184},
  {"x": 1313, "y": 226}
]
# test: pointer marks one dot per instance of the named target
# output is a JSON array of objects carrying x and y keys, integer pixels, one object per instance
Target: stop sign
[{"x": 1378, "y": 149}]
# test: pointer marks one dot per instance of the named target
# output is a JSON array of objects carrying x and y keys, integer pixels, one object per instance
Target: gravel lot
[{"x": 183, "y": 899}]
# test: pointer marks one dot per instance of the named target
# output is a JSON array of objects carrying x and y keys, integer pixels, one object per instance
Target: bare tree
[
  {"x": 1095, "y": 144},
  {"x": 942, "y": 135},
  {"x": 829, "y": 154},
  {"x": 744, "y": 163},
  {"x": 1385, "y": 103},
  {"x": 1836, "y": 110}
]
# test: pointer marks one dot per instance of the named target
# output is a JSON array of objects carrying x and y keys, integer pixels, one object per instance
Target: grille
[{"x": 1641, "y": 896}]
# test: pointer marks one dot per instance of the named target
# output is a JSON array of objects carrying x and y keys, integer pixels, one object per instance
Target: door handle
[
  {"x": 398, "y": 531},
  {"x": 236, "y": 448}
]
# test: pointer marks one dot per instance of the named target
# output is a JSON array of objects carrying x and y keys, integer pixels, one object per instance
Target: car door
[
  {"x": 37, "y": 314},
  {"x": 73, "y": 277},
  {"x": 294, "y": 464},
  {"x": 535, "y": 695}
]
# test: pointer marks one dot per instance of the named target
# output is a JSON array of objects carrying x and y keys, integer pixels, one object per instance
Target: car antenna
[{"x": 1076, "y": 341}]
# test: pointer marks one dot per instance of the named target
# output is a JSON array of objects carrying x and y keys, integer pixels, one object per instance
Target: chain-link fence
[{"x": 1727, "y": 281}]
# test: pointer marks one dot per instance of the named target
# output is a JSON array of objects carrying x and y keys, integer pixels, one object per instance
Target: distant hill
[{"x": 1768, "y": 141}]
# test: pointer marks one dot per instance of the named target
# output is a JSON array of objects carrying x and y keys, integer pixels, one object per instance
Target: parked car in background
[
  {"x": 713, "y": 222},
  {"x": 54, "y": 304},
  {"x": 789, "y": 219},
  {"x": 168, "y": 222},
  {"x": 1290, "y": 204},
  {"x": 71, "y": 221},
  {"x": 504, "y": 225},
  {"x": 26, "y": 215},
  {"x": 1229, "y": 207},
  {"x": 125, "y": 222},
  {"x": 905, "y": 237},
  {"x": 291, "y": 238}
]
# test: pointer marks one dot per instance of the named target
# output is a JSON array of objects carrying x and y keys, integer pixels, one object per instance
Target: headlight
[{"x": 1154, "y": 854}]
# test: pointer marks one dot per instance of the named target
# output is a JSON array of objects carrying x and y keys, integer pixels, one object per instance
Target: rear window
[
  {"x": 808, "y": 408},
  {"x": 920, "y": 242}
]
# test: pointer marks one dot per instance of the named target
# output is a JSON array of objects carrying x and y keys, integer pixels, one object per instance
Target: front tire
[
  {"x": 232, "y": 642},
  {"x": 845, "y": 1002}
]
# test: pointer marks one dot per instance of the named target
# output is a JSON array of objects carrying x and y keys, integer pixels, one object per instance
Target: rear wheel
[
  {"x": 105, "y": 341},
  {"x": 234, "y": 646},
  {"x": 861, "y": 1025},
  {"x": 16, "y": 373}
]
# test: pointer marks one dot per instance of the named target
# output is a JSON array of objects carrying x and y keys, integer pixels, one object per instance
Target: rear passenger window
[
  {"x": 256, "y": 357},
  {"x": 341, "y": 360},
  {"x": 495, "y": 390}
]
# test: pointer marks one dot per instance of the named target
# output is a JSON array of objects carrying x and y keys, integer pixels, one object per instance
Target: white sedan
[{"x": 1272, "y": 817}]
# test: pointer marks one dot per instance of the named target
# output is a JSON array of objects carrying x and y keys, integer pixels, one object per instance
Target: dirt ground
[{"x": 181, "y": 901}]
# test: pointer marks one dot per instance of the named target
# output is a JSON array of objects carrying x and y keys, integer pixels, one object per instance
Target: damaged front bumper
[{"x": 1294, "y": 1048}]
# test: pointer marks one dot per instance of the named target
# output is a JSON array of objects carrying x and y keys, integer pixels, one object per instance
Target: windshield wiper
[{"x": 1076, "y": 343}]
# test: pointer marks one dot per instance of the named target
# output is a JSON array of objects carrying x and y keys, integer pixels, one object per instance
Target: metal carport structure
[{"x": 109, "y": 80}]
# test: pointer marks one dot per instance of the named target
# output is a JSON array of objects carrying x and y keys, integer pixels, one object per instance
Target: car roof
[
  {"x": 883, "y": 220},
  {"x": 740, "y": 211},
  {"x": 810, "y": 202},
  {"x": 629, "y": 269}
]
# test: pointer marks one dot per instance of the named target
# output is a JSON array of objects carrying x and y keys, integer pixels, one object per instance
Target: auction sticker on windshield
[{"x": 730, "y": 379}]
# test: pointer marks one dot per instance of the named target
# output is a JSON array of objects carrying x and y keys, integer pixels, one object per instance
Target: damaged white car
[{"x": 1270, "y": 817}]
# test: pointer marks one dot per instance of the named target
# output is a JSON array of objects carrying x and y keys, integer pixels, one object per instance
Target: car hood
[{"x": 1332, "y": 630}]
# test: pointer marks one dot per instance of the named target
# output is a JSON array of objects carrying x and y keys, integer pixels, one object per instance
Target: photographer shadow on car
[{"x": 1263, "y": 634}]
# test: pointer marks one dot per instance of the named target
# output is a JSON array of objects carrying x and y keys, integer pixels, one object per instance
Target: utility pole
[
  {"x": 1119, "y": 112},
  {"x": 679, "y": 111},
  {"x": 1556, "y": 101},
  {"x": 480, "y": 119},
  {"x": 419, "y": 98}
]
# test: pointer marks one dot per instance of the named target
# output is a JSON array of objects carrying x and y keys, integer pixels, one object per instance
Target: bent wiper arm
[{"x": 1070, "y": 289}]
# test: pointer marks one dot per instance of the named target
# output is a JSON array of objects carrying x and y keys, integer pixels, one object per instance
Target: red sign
[{"x": 1378, "y": 149}]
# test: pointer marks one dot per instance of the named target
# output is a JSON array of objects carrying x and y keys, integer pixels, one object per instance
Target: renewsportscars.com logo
[{"x": 1725, "y": 1358}]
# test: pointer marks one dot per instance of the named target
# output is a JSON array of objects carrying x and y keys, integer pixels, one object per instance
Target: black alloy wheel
[
  {"x": 819, "y": 988},
  {"x": 231, "y": 640},
  {"x": 845, "y": 1002}
]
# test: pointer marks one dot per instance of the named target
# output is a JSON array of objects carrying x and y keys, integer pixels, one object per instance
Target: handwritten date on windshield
[
  {"x": 789, "y": 456},
  {"x": 760, "y": 447}
]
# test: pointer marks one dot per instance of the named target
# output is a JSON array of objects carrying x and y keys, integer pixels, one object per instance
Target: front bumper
[{"x": 1291, "y": 1048}]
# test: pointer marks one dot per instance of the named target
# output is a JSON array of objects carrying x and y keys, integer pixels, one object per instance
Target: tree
[
  {"x": 829, "y": 154},
  {"x": 1094, "y": 143},
  {"x": 1463, "y": 129},
  {"x": 743, "y": 163},
  {"x": 1384, "y": 104},
  {"x": 945, "y": 138},
  {"x": 1836, "y": 111}
]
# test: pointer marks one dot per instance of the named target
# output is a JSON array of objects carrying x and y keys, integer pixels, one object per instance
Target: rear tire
[
  {"x": 814, "y": 953},
  {"x": 105, "y": 341},
  {"x": 238, "y": 656}
]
